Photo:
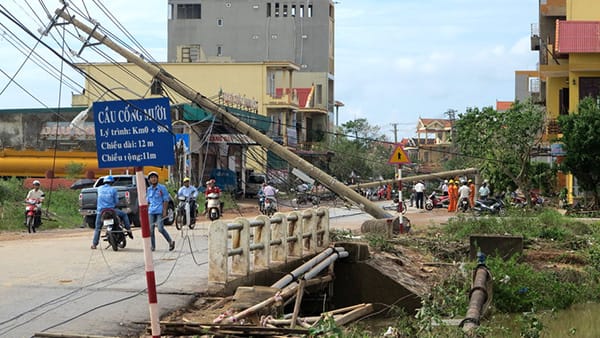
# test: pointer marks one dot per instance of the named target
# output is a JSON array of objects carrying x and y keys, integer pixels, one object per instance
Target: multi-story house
[
  {"x": 301, "y": 32},
  {"x": 434, "y": 143},
  {"x": 569, "y": 61}
]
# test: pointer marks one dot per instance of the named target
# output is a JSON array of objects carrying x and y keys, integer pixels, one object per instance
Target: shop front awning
[{"x": 256, "y": 121}]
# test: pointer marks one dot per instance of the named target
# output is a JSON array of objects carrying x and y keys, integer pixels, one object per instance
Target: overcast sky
[{"x": 396, "y": 60}]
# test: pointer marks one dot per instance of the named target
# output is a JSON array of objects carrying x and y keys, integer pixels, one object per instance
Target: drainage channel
[{"x": 343, "y": 283}]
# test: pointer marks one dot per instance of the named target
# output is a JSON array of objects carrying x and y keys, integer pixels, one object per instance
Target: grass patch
[{"x": 62, "y": 205}]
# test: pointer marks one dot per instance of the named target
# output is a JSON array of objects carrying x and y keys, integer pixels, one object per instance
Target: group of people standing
[{"x": 457, "y": 191}]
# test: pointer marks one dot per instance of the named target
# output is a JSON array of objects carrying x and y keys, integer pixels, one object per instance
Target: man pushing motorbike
[{"x": 108, "y": 199}]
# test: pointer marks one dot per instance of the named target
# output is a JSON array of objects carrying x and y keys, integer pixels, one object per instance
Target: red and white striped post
[
  {"x": 400, "y": 204},
  {"x": 148, "y": 262}
]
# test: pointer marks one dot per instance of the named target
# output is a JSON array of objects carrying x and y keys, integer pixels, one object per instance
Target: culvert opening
[{"x": 355, "y": 280}]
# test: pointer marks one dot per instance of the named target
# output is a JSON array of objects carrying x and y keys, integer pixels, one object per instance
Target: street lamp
[
  {"x": 182, "y": 155},
  {"x": 337, "y": 104},
  {"x": 78, "y": 120}
]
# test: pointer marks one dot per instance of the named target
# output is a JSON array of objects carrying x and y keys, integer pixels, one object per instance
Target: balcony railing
[{"x": 282, "y": 98}]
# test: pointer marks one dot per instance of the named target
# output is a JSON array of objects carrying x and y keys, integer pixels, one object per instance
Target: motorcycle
[
  {"x": 32, "y": 213},
  {"x": 434, "y": 201},
  {"x": 492, "y": 206},
  {"x": 261, "y": 203},
  {"x": 270, "y": 206},
  {"x": 517, "y": 200},
  {"x": 213, "y": 206},
  {"x": 395, "y": 206},
  {"x": 115, "y": 231},
  {"x": 463, "y": 204},
  {"x": 184, "y": 215}
]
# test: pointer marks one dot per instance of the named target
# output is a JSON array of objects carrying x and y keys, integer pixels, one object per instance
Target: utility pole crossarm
[{"x": 203, "y": 102}]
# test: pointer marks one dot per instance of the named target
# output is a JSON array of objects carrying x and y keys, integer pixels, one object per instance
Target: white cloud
[
  {"x": 404, "y": 64},
  {"x": 395, "y": 60}
]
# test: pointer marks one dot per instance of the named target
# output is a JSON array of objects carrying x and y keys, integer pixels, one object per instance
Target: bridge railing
[{"x": 242, "y": 246}]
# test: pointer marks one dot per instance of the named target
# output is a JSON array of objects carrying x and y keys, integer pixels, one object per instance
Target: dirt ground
[{"x": 403, "y": 260}]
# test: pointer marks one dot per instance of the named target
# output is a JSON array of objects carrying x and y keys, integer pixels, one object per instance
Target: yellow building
[
  {"x": 569, "y": 62},
  {"x": 264, "y": 88}
]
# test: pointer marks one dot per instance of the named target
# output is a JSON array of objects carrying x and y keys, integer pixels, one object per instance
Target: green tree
[
  {"x": 581, "y": 139},
  {"x": 500, "y": 143},
  {"x": 360, "y": 147}
]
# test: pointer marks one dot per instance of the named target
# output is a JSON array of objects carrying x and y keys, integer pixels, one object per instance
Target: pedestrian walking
[{"x": 158, "y": 204}]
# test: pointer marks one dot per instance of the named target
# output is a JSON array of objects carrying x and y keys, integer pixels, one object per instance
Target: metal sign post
[
  {"x": 137, "y": 133},
  {"x": 399, "y": 157},
  {"x": 400, "y": 204}
]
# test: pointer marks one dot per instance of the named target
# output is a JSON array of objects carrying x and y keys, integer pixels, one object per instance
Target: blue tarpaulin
[{"x": 226, "y": 179}]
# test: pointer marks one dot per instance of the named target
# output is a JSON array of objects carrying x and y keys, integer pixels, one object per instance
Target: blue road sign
[{"x": 133, "y": 133}]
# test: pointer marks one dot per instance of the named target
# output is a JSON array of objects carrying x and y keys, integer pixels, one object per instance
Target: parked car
[{"x": 126, "y": 186}]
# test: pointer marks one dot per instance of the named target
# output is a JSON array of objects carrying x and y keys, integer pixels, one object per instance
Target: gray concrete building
[{"x": 258, "y": 30}]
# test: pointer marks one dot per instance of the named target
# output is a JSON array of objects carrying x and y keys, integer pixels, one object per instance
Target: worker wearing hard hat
[{"x": 452, "y": 195}]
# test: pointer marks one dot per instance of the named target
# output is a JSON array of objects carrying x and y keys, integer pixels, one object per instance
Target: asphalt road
[
  {"x": 52, "y": 281},
  {"x": 57, "y": 284}
]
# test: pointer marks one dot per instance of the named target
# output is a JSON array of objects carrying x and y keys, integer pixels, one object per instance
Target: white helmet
[{"x": 36, "y": 182}]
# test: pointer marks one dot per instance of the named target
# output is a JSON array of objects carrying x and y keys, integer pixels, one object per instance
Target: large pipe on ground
[
  {"x": 479, "y": 298},
  {"x": 205, "y": 103}
]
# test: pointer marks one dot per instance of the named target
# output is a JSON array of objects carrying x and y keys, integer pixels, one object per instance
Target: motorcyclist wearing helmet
[
  {"x": 189, "y": 192},
  {"x": 158, "y": 206},
  {"x": 37, "y": 194},
  {"x": 108, "y": 199},
  {"x": 211, "y": 187}
]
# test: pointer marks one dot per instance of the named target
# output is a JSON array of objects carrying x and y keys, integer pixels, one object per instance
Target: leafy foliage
[
  {"x": 74, "y": 169},
  {"x": 379, "y": 242},
  {"x": 500, "y": 143},
  {"x": 61, "y": 203},
  {"x": 362, "y": 149},
  {"x": 581, "y": 139},
  {"x": 519, "y": 288}
]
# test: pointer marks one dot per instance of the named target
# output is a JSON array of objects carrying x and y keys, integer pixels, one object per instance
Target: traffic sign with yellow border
[{"x": 399, "y": 156}]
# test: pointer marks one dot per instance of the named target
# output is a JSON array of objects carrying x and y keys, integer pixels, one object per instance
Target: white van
[{"x": 254, "y": 183}]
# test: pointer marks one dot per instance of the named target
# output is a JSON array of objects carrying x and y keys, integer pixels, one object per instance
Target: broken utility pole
[{"x": 202, "y": 101}]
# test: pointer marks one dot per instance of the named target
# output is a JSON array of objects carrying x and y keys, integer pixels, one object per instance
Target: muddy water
[{"x": 581, "y": 321}]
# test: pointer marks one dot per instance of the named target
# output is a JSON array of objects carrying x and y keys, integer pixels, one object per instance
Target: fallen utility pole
[
  {"x": 441, "y": 174},
  {"x": 202, "y": 101}
]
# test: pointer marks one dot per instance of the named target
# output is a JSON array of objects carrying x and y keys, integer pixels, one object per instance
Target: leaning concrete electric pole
[{"x": 202, "y": 101}]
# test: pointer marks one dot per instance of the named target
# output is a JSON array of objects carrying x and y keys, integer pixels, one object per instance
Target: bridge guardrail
[{"x": 242, "y": 246}]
